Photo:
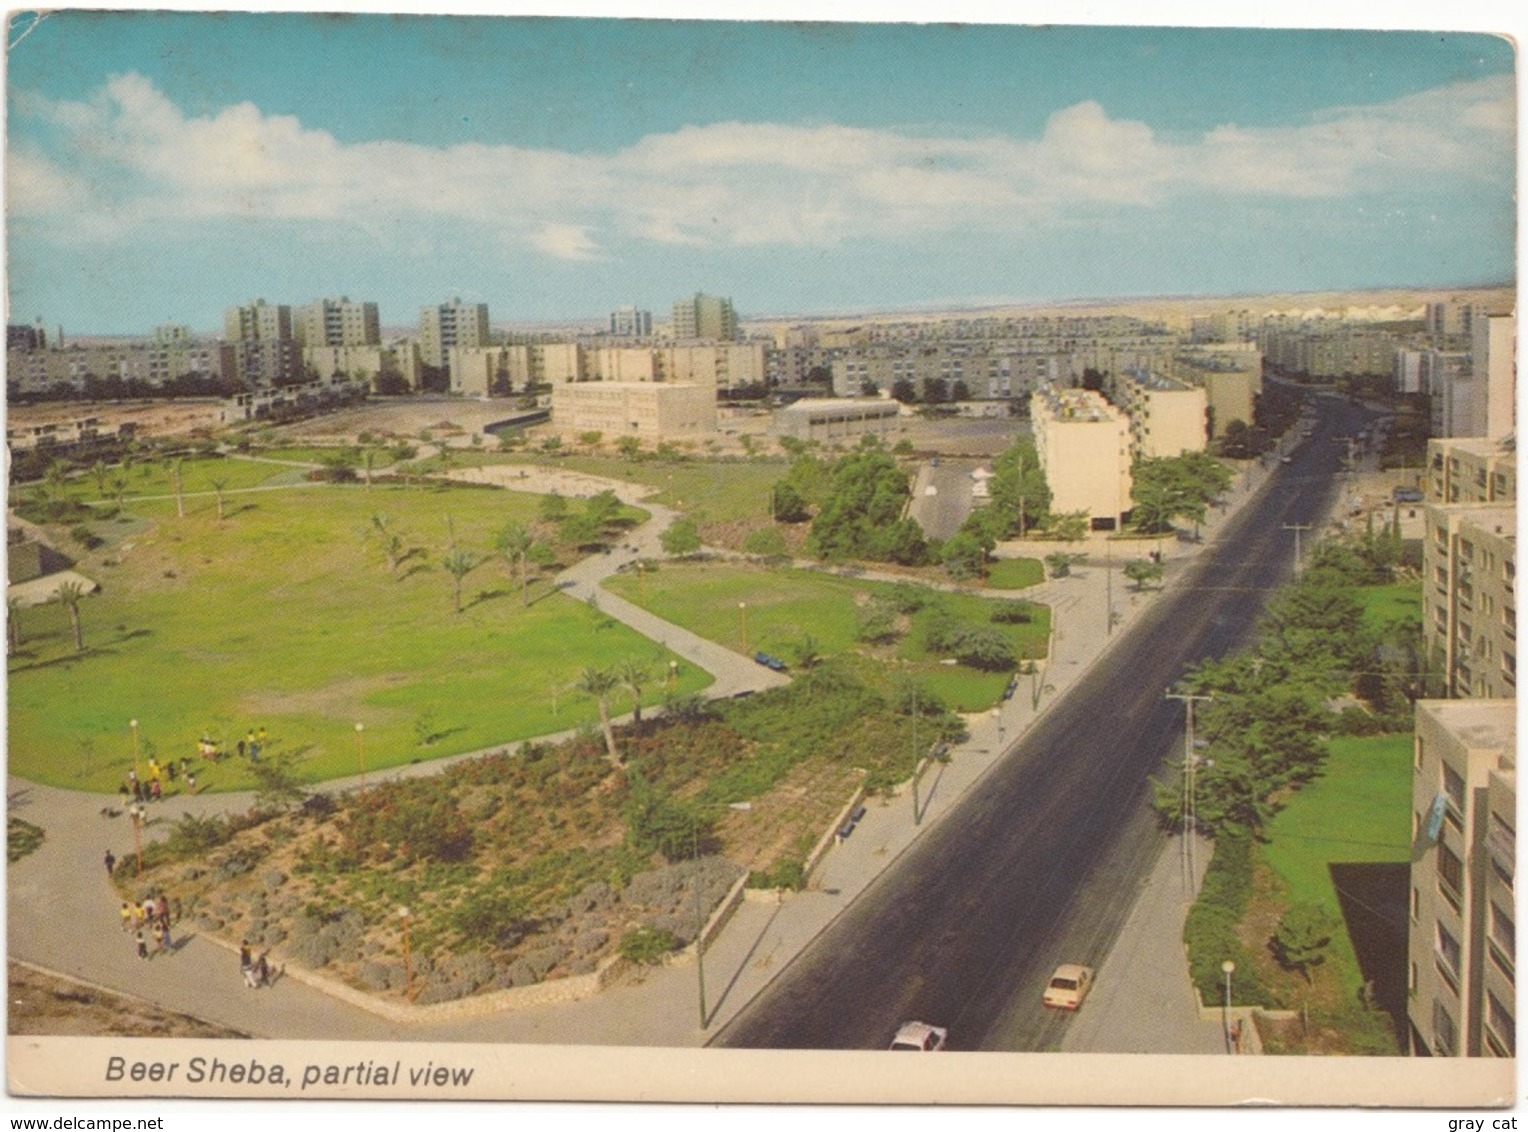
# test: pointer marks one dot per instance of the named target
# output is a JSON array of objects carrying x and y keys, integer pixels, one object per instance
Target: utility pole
[
  {"x": 1190, "y": 816},
  {"x": 1297, "y": 528}
]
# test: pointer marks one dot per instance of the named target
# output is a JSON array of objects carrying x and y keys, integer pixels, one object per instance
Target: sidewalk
[{"x": 63, "y": 913}]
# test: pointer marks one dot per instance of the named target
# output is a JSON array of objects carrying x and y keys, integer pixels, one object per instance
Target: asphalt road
[{"x": 1041, "y": 863}]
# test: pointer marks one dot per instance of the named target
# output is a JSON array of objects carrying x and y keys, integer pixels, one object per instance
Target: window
[
  {"x": 1453, "y": 786},
  {"x": 1503, "y": 934},
  {"x": 1445, "y": 1034},
  {"x": 1500, "y": 1019},
  {"x": 1448, "y": 957},
  {"x": 1450, "y": 876}
]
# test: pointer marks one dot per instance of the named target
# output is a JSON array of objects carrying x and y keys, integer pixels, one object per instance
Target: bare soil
[{"x": 51, "y": 1006}]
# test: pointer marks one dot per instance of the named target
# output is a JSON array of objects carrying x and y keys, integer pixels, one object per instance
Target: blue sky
[{"x": 162, "y": 166}]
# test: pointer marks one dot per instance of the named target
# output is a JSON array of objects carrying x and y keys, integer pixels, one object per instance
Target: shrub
[
  {"x": 765, "y": 542},
  {"x": 491, "y": 914},
  {"x": 789, "y": 874},
  {"x": 647, "y": 945},
  {"x": 83, "y": 535},
  {"x": 1019, "y": 612},
  {"x": 1210, "y": 930}
]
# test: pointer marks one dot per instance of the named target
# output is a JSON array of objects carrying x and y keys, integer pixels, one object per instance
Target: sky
[{"x": 162, "y": 166}]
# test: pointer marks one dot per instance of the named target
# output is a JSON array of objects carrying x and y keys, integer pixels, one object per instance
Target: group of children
[
  {"x": 136, "y": 790},
  {"x": 256, "y": 971},
  {"x": 146, "y": 920}
]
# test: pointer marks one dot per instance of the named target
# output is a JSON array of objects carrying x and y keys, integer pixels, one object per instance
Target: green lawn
[
  {"x": 1383, "y": 604},
  {"x": 1359, "y": 810},
  {"x": 783, "y": 607},
  {"x": 287, "y": 616},
  {"x": 152, "y": 478},
  {"x": 725, "y": 491},
  {"x": 1015, "y": 574}
]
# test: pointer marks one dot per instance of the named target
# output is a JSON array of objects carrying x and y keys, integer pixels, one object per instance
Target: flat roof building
[
  {"x": 1084, "y": 446},
  {"x": 836, "y": 418},
  {"x": 634, "y": 408},
  {"x": 1167, "y": 417},
  {"x": 1469, "y": 622}
]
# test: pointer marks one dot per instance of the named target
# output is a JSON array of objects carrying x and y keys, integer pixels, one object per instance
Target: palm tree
[
  {"x": 218, "y": 485},
  {"x": 392, "y": 541},
  {"x": 599, "y": 683},
  {"x": 633, "y": 675},
  {"x": 458, "y": 563},
  {"x": 69, "y": 595},
  {"x": 368, "y": 462},
  {"x": 119, "y": 488},
  {"x": 98, "y": 471},
  {"x": 514, "y": 543}
]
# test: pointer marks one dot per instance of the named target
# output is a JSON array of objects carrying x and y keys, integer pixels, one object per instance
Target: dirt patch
[
  {"x": 52, "y": 1006},
  {"x": 336, "y": 699}
]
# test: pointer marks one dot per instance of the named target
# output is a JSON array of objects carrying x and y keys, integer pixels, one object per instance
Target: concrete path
[{"x": 63, "y": 914}]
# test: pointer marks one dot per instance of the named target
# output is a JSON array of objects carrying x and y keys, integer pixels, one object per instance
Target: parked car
[
  {"x": 920, "y": 1037},
  {"x": 774, "y": 663},
  {"x": 1068, "y": 987},
  {"x": 1408, "y": 495}
]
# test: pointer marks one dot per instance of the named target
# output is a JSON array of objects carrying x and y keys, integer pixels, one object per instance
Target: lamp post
[
  {"x": 673, "y": 675},
  {"x": 997, "y": 717},
  {"x": 408, "y": 961},
  {"x": 742, "y": 618},
  {"x": 133, "y": 726},
  {"x": 135, "y": 811},
  {"x": 360, "y": 753},
  {"x": 700, "y": 927},
  {"x": 1227, "y": 968}
]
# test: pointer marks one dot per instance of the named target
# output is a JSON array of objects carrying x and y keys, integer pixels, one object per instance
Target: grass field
[
  {"x": 1015, "y": 574},
  {"x": 287, "y": 616},
  {"x": 152, "y": 478},
  {"x": 781, "y": 608}
]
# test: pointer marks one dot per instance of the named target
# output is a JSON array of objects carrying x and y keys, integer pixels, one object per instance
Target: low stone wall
[
  {"x": 814, "y": 858},
  {"x": 1243, "y": 1022}
]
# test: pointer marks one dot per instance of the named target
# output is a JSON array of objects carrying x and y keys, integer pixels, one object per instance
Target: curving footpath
[{"x": 63, "y": 912}]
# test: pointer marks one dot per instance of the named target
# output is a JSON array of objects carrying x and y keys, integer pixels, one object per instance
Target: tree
[
  {"x": 1302, "y": 937},
  {"x": 861, "y": 512},
  {"x": 277, "y": 786},
  {"x": 805, "y": 653},
  {"x": 1021, "y": 496},
  {"x": 69, "y": 595},
  {"x": 458, "y": 562},
  {"x": 787, "y": 503},
  {"x": 658, "y": 822},
  {"x": 964, "y": 557},
  {"x": 1141, "y": 571},
  {"x": 368, "y": 464},
  {"x": 1060, "y": 563},
  {"x": 98, "y": 472},
  {"x": 217, "y": 486},
  {"x": 960, "y": 391},
  {"x": 603, "y": 508},
  {"x": 936, "y": 390},
  {"x": 553, "y": 508},
  {"x": 904, "y": 391},
  {"x": 599, "y": 683},
  {"x": 514, "y": 542},
  {"x": 628, "y": 446},
  {"x": 634, "y": 676},
  {"x": 681, "y": 538},
  {"x": 766, "y": 542},
  {"x": 390, "y": 539},
  {"x": 581, "y": 530},
  {"x": 1070, "y": 526}
]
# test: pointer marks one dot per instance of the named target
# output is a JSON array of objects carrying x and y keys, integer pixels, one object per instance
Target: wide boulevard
[{"x": 1041, "y": 863}]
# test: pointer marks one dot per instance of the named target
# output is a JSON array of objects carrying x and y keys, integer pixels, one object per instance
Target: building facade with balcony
[
  {"x": 1461, "y": 941},
  {"x": 1469, "y": 599}
]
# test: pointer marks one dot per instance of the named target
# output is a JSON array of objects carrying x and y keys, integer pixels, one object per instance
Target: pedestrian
[
  {"x": 185, "y": 767},
  {"x": 190, "y": 783},
  {"x": 262, "y": 971},
  {"x": 163, "y": 935},
  {"x": 127, "y": 916},
  {"x": 156, "y": 791},
  {"x": 111, "y": 863},
  {"x": 162, "y": 911},
  {"x": 153, "y": 769},
  {"x": 247, "y": 965},
  {"x": 169, "y": 770},
  {"x": 240, "y": 746},
  {"x": 143, "y": 945},
  {"x": 150, "y": 910},
  {"x": 137, "y": 791}
]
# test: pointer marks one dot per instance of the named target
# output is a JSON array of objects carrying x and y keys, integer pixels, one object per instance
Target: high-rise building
[
  {"x": 1084, "y": 446},
  {"x": 705, "y": 316},
  {"x": 451, "y": 324},
  {"x": 258, "y": 321},
  {"x": 629, "y": 322},
  {"x": 1461, "y": 948},
  {"x": 337, "y": 322}
]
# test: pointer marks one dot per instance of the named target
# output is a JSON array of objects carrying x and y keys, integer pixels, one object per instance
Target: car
[
  {"x": 920, "y": 1037},
  {"x": 774, "y": 663},
  {"x": 1068, "y": 986},
  {"x": 1408, "y": 495}
]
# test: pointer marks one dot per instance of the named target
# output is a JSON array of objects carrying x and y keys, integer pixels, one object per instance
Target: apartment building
[
  {"x": 1084, "y": 445},
  {"x": 337, "y": 322},
  {"x": 349, "y": 363},
  {"x": 650, "y": 410},
  {"x": 257, "y": 321},
  {"x": 451, "y": 324},
  {"x": 630, "y": 322},
  {"x": 1167, "y": 417},
  {"x": 1471, "y": 470},
  {"x": 1461, "y": 949},
  {"x": 1230, "y": 374},
  {"x": 704, "y": 316},
  {"x": 1469, "y": 595},
  {"x": 1493, "y": 366},
  {"x": 141, "y": 365}
]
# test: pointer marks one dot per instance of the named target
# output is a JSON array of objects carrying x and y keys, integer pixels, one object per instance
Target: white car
[
  {"x": 920, "y": 1037},
  {"x": 1068, "y": 987}
]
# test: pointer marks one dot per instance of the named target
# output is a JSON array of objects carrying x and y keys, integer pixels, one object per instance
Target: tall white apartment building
[
  {"x": 337, "y": 322},
  {"x": 630, "y": 322},
  {"x": 451, "y": 324},
  {"x": 1469, "y": 596},
  {"x": 1084, "y": 446},
  {"x": 1167, "y": 417},
  {"x": 1461, "y": 940},
  {"x": 704, "y": 316},
  {"x": 257, "y": 321}
]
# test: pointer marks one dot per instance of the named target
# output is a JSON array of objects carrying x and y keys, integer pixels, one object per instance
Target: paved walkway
[{"x": 63, "y": 912}]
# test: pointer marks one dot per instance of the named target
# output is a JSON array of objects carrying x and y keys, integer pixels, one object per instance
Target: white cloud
[{"x": 129, "y": 157}]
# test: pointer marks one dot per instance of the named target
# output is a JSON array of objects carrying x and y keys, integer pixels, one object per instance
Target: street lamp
[
  {"x": 135, "y": 811},
  {"x": 133, "y": 724},
  {"x": 997, "y": 716},
  {"x": 408, "y": 961},
  {"x": 742, "y": 617},
  {"x": 673, "y": 675},
  {"x": 1227, "y": 968},
  {"x": 360, "y": 753}
]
